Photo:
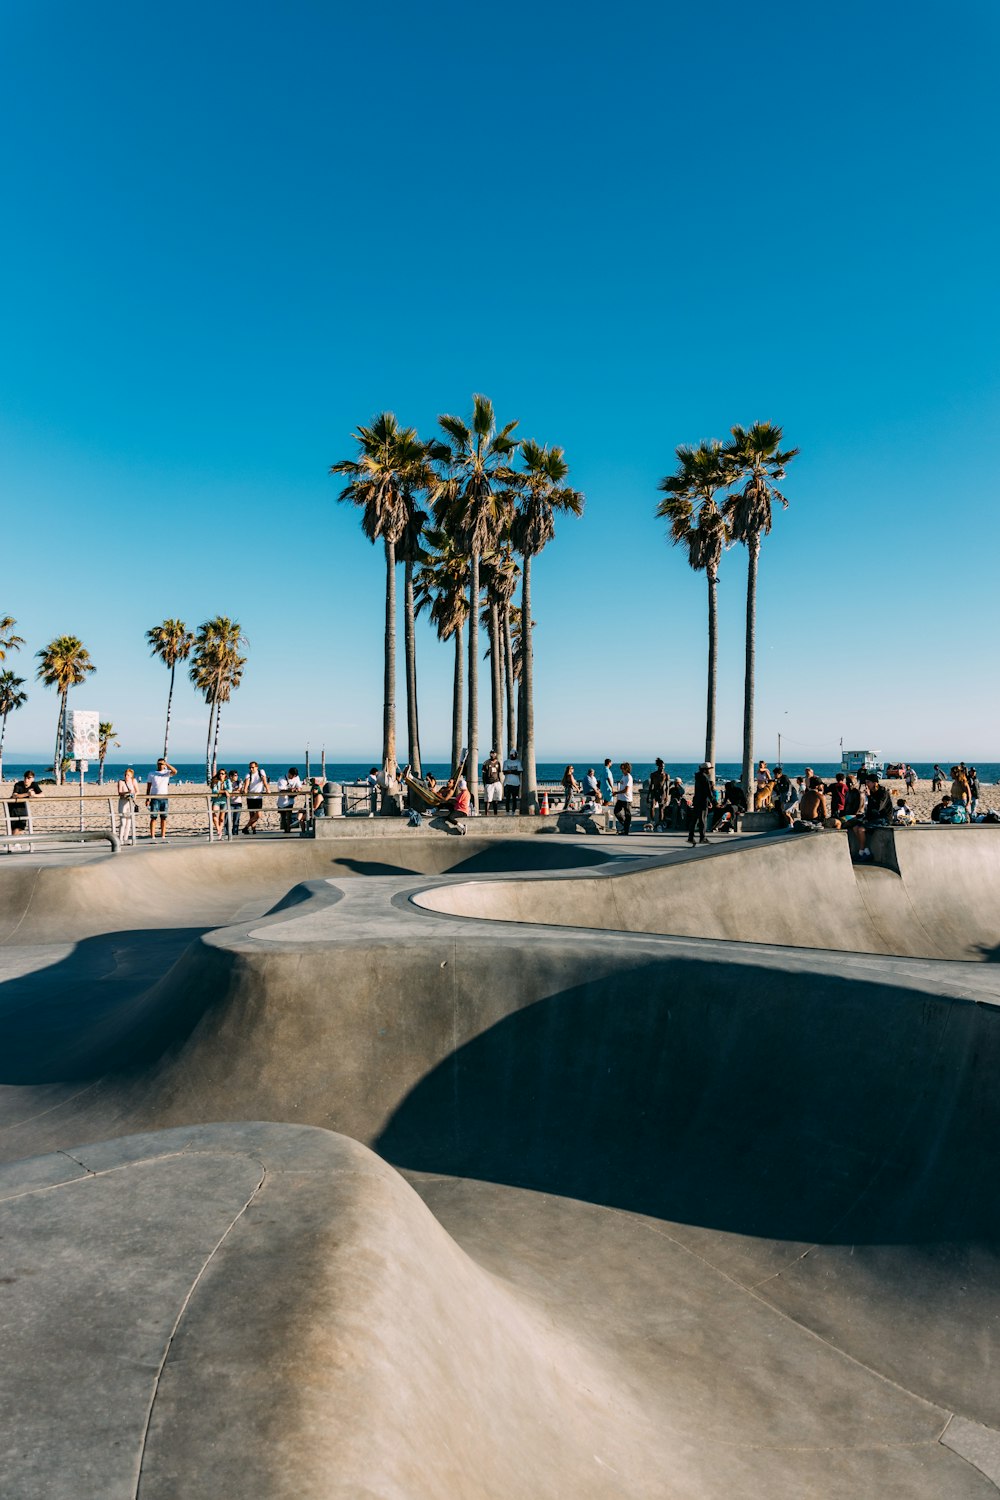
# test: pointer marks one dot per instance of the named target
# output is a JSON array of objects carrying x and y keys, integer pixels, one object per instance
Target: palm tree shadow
[
  {"x": 798, "y": 1107},
  {"x": 108, "y": 1005}
]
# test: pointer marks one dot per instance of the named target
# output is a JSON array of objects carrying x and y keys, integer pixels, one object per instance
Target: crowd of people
[{"x": 230, "y": 793}]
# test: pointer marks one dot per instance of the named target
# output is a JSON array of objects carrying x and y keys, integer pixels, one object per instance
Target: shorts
[
  {"x": 159, "y": 806},
  {"x": 494, "y": 791},
  {"x": 254, "y": 804}
]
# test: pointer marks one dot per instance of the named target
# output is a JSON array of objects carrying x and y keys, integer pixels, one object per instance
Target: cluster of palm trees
[
  {"x": 491, "y": 499},
  {"x": 718, "y": 494},
  {"x": 216, "y": 671}
]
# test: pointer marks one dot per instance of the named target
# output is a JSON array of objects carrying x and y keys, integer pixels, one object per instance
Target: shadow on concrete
[
  {"x": 112, "y": 1003},
  {"x": 794, "y": 1106}
]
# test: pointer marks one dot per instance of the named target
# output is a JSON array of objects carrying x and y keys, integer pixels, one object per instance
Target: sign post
[{"x": 85, "y": 733}]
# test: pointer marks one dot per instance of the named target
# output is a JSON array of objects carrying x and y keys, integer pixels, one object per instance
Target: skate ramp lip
[{"x": 932, "y": 893}]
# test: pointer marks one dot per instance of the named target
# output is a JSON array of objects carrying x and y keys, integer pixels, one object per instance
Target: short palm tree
[
  {"x": 216, "y": 671},
  {"x": 391, "y": 466},
  {"x": 757, "y": 464},
  {"x": 542, "y": 494},
  {"x": 697, "y": 523},
  {"x": 171, "y": 642},
  {"x": 11, "y": 699},
  {"x": 473, "y": 504},
  {"x": 8, "y": 640},
  {"x": 106, "y": 737},
  {"x": 63, "y": 664},
  {"x": 440, "y": 587}
]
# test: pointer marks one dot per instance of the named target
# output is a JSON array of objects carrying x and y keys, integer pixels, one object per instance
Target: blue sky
[{"x": 235, "y": 232}]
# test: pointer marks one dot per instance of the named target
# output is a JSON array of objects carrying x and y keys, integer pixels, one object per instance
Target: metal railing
[{"x": 61, "y": 817}]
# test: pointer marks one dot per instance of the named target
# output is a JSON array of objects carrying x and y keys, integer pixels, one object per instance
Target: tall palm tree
[
  {"x": 171, "y": 642},
  {"x": 216, "y": 671},
  {"x": 411, "y": 550},
  {"x": 697, "y": 523},
  {"x": 11, "y": 699},
  {"x": 106, "y": 737},
  {"x": 441, "y": 588},
  {"x": 473, "y": 504},
  {"x": 542, "y": 494},
  {"x": 392, "y": 464},
  {"x": 757, "y": 464},
  {"x": 8, "y": 640},
  {"x": 63, "y": 664},
  {"x": 500, "y": 574}
]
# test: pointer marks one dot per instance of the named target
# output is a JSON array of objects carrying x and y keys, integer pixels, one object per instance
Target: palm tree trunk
[
  {"x": 208, "y": 741},
  {"x": 472, "y": 761},
  {"x": 713, "y": 662},
  {"x": 496, "y": 679},
  {"x": 508, "y": 656},
  {"x": 215, "y": 740},
  {"x": 458, "y": 693},
  {"x": 3, "y": 736},
  {"x": 170, "y": 700},
  {"x": 529, "y": 790},
  {"x": 389, "y": 699},
  {"x": 412, "y": 717},
  {"x": 57, "y": 758},
  {"x": 753, "y": 554}
]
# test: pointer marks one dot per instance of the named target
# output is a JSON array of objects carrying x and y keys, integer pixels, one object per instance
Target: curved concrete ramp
[
  {"x": 713, "y": 1219},
  {"x": 931, "y": 893},
  {"x": 267, "y": 1311}
]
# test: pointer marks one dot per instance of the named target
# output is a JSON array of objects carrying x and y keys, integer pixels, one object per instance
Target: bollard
[{"x": 333, "y": 799}]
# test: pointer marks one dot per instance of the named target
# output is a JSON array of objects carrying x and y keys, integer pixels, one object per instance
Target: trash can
[{"x": 333, "y": 799}]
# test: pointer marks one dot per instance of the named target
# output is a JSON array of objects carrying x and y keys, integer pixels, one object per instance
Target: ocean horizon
[{"x": 356, "y": 770}]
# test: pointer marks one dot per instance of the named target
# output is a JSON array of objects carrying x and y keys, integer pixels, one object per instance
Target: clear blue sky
[{"x": 232, "y": 232}]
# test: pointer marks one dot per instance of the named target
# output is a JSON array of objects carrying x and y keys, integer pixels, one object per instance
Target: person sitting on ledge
[
  {"x": 878, "y": 814},
  {"x": 903, "y": 817},
  {"x": 939, "y": 808},
  {"x": 812, "y": 806},
  {"x": 456, "y": 804}
]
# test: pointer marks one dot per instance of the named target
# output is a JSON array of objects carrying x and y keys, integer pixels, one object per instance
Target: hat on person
[{"x": 706, "y": 765}]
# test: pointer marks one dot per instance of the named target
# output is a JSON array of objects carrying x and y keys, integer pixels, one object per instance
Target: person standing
[
  {"x": 623, "y": 798},
  {"x": 26, "y": 788},
  {"x": 607, "y": 782},
  {"x": 657, "y": 795},
  {"x": 512, "y": 781},
  {"x": 255, "y": 786},
  {"x": 703, "y": 799},
  {"x": 492, "y": 783},
  {"x": 287, "y": 788},
  {"x": 234, "y": 786},
  {"x": 570, "y": 787},
  {"x": 973, "y": 777},
  {"x": 126, "y": 807},
  {"x": 371, "y": 783},
  {"x": 937, "y": 780},
  {"x": 156, "y": 796}
]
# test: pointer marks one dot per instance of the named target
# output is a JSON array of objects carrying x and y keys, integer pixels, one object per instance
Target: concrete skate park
[{"x": 477, "y": 1168}]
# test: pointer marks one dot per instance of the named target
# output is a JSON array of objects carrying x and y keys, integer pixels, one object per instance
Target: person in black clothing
[
  {"x": 26, "y": 787},
  {"x": 703, "y": 799},
  {"x": 878, "y": 814},
  {"x": 656, "y": 793},
  {"x": 732, "y": 806}
]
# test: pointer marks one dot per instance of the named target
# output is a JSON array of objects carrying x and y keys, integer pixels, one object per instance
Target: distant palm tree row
[
  {"x": 718, "y": 494},
  {"x": 216, "y": 671},
  {"x": 491, "y": 496}
]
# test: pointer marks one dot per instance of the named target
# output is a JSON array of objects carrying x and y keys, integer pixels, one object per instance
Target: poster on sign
[{"x": 84, "y": 734}]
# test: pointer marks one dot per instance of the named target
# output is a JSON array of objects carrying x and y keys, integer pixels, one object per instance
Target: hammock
[{"x": 423, "y": 794}]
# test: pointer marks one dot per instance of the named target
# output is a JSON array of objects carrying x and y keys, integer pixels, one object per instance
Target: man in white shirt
[
  {"x": 287, "y": 787},
  {"x": 623, "y": 798},
  {"x": 512, "y": 781},
  {"x": 156, "y": 796}
]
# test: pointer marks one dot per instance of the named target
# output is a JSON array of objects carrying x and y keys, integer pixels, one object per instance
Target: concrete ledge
[
  {"x": 482, "y": 827},
  {"x": 760, "y": 822}
]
